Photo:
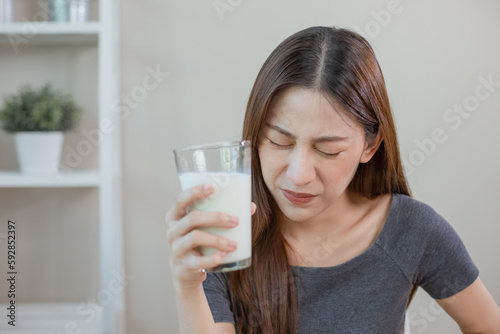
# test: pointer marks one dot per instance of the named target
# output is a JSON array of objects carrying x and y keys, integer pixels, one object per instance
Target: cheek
[
  {"x": 342, "y": 172},
  {"x": 269, "y": 165}
]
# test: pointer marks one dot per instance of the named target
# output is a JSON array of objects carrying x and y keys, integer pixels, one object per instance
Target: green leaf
[{"x": 42, "y": 109}]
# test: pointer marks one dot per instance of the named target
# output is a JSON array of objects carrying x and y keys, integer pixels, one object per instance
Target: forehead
[{"x": 304, "y": 110}]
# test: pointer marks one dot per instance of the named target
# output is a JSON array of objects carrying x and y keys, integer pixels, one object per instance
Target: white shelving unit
[
  {"x": 50, "y": 28},
  {"x": 49, "y": 33},
  {"x": 75, "y": 179},
  {"x": 109, "y": 317}
]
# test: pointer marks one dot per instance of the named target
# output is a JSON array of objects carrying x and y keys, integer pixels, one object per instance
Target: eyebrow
[{"x": 316, "y": 140}]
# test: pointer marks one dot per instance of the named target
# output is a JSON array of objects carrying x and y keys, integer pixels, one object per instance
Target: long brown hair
[{"x": 341, "y": 65}]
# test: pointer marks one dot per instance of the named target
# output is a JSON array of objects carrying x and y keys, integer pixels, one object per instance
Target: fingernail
[
  {"x": 232, "y": 244},
  {"x": 223, "y": 254},
  {"x": 234, "y": 220},
  {"x": 208, "y": 188}
]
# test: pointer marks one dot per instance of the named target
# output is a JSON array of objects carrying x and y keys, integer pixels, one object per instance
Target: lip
[{"x": 297, "y": 198}]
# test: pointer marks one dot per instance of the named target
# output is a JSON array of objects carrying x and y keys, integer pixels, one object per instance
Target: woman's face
[{"x": 309, "y": 152}]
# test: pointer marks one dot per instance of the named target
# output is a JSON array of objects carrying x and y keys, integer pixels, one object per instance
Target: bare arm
[
  {"x": 193, "y": 312},
  {"x": 186, "y": 262},
  {"x": 195, "y": 316},
  {"x": 225, "y": 328},
  {"x": 474, "y": 310}
]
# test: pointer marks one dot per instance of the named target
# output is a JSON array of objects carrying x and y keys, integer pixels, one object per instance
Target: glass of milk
[{"x": 227, "y": 166}]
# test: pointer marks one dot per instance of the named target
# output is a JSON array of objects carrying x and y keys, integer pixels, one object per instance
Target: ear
[{"x": 371, "y": 147}]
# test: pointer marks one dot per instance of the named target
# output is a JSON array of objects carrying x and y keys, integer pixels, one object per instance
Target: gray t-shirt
[{"x": 369, "y": 293}]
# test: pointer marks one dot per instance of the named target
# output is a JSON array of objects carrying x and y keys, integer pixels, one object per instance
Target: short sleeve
[
  {"x": 445, "y": 267},
  {"x": 217, "y": 291}
]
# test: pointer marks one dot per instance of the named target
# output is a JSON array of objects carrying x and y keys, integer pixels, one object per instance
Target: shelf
[
  {"x": 77, "y": 43},
  {"x": 38, "y": 318},
  {"x": 51, "y": 33},
  {"x": 15, "y": 179}
]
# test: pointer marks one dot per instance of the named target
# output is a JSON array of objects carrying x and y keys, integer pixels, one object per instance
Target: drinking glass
[{"x": 227, "y": 166}]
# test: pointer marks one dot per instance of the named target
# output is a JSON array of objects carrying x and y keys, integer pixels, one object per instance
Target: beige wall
[{"x": 431, "y": 53}]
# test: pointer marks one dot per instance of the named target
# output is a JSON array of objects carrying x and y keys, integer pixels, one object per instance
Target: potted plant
[{"x": 38, "y": 118}]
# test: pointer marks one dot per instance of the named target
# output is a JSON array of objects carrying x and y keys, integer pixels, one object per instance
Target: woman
[{"x": 338, "y": 243}]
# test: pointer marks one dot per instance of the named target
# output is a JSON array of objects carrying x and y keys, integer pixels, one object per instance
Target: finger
[
  {"x": 197, "y": 219},
  {"x": 197, "y": 263},
  {"x": 199, "y": 238},
  {"x": 189, "y": 196},
  {"x": 253, "y": 208}
]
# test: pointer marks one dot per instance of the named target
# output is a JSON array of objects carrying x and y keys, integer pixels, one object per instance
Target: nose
[{"x": 301, "y": 169}]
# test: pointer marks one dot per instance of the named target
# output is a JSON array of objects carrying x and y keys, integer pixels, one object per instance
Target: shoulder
[
  {"x": 406, "y": 207},
  {"x": 412, "y": 221},
  {"x": 426, "y": 248},
  {"x": 413, "y": 229}
]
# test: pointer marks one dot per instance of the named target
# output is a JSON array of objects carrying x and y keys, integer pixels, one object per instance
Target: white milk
[{"x": 232, "y": 195}]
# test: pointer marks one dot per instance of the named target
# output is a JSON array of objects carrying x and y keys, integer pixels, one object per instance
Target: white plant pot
[{"x": 39, "y": 151}]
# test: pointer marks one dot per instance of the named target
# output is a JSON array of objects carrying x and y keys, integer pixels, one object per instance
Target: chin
[{"x": 297, "y": 214}]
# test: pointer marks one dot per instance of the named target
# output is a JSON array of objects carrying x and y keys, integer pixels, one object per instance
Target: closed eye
[
  {"x": 281, "y": 146},
  {"x": 284, "y": 147},
  {"x": 328, "y": 155}
]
